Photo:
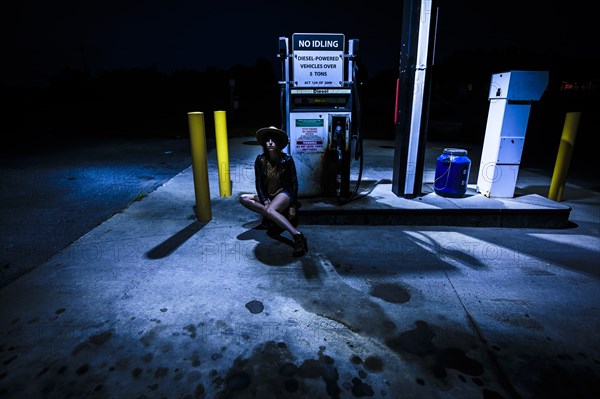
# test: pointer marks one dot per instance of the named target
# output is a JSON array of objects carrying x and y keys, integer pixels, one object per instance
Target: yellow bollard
[
  {"x": 222, "y": 153},
  {"x": 199, "y": 165},
  {"x": 563, "y": 159}
]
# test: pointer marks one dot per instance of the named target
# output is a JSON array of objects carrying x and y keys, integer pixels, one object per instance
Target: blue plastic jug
[{"x": 452, "y": 173}]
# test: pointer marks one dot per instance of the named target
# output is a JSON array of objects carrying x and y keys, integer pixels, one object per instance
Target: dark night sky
[{"x": 42, "y": 38}]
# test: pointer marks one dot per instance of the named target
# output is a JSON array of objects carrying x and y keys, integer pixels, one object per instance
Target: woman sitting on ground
[{"x": 276, "y": 185}]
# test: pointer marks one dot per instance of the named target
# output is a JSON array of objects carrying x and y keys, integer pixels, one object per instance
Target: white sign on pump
[{"x": 318, "y": 59}]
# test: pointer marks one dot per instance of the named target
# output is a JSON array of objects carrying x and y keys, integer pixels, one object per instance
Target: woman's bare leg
[
  {"x": 251, "y": 202},
  {"x": 274, "y": 212}
]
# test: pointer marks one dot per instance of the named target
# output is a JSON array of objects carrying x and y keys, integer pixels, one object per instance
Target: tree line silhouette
[{"x": 145, "y": 102}]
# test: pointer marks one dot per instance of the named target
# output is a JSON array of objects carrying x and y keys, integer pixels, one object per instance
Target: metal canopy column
[{"x": 414, "y": 83}]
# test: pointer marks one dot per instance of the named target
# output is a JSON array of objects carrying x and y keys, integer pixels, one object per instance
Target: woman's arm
[
  {"x": 258, "y": 180},
  {"x": 294, "y": 182}
]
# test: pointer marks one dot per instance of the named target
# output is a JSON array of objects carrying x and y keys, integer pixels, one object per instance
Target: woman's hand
[{"x": 292, "y": 212}]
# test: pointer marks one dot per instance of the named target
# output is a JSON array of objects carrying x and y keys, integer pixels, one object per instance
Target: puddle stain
[
  {"x": 147, "y": 338},
  {"x": 418, "y": 342},
  {"x": 136, "y": 372},
  {"x": 101, "y": 338},
  {"x": 288, "y": 370},
  {"x": 454, "y": 358},
  {"x": 178, "y": 375},
  {"x": 355, "y": 359},
  {"x": 360, "y": 389},
  {"x": 388, "y": 325},
  {"x": 161, "y": 372},
  {"x": 93, "y": 341},
  {"x": 389, "y": 292},
  {"x": 41, "y": 373},
  {"x": 199, "y": 391},
  {"x": 147, "y": 358},
  {"x": 549, "y": 378},
  {"x": 331, "y": 376},
  {"x": 10, "y": 360},
  {"x": 291, "y": 385},
  {"x": 350, "y": 308},
  {"x": 477, "y": 381},
  {"x": 218, "y": 382},
  {"x": 273, "y": 369},
  {"x": 489, "y": 394},
  {"x": 310, "y": 368},
  {"x": 195, "y": 360},
  {"x": 255, "y": 307},
  {"x": 374, "y": 363},
  {"x": 48, "y": 388},
  {"x": 238, "y": 381},
  {"x": 84, "y": 368},
  {"x": 191, "y": 329}
]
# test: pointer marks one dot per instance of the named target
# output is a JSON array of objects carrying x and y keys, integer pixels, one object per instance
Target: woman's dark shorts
[{"x": 286, "y": 192}]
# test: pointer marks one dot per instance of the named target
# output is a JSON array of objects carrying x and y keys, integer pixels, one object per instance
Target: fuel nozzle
[
  {"x": 338, "y": 135},
  {"x": 338, "y": 132}
]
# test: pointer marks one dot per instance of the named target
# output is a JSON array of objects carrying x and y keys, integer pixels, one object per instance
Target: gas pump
[{"x": 320, "y": 107}]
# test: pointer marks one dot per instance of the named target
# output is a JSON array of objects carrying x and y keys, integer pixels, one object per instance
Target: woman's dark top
[{"x": 288, "y": 180}]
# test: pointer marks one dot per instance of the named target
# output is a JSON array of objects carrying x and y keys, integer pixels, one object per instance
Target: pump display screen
[
  {"x": 334, "y": 101},
  {"x": 318, "y": 98}
]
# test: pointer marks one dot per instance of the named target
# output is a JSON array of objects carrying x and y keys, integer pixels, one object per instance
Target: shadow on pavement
[{"x": 166, "y": 247}]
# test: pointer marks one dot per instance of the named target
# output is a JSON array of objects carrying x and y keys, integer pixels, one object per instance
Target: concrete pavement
[{"x": 153, "y": 303}]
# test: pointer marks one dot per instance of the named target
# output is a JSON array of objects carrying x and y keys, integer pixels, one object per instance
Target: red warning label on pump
[
  {"x": 311, "y": 135},
  {"x": 309, "y": 145}
]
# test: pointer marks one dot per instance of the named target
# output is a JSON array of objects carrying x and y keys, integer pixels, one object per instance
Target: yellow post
[
  {"x": 222, "y": 153},
  {"x": 199, "y": 165},
  {"x": 563, "y": 159}
]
